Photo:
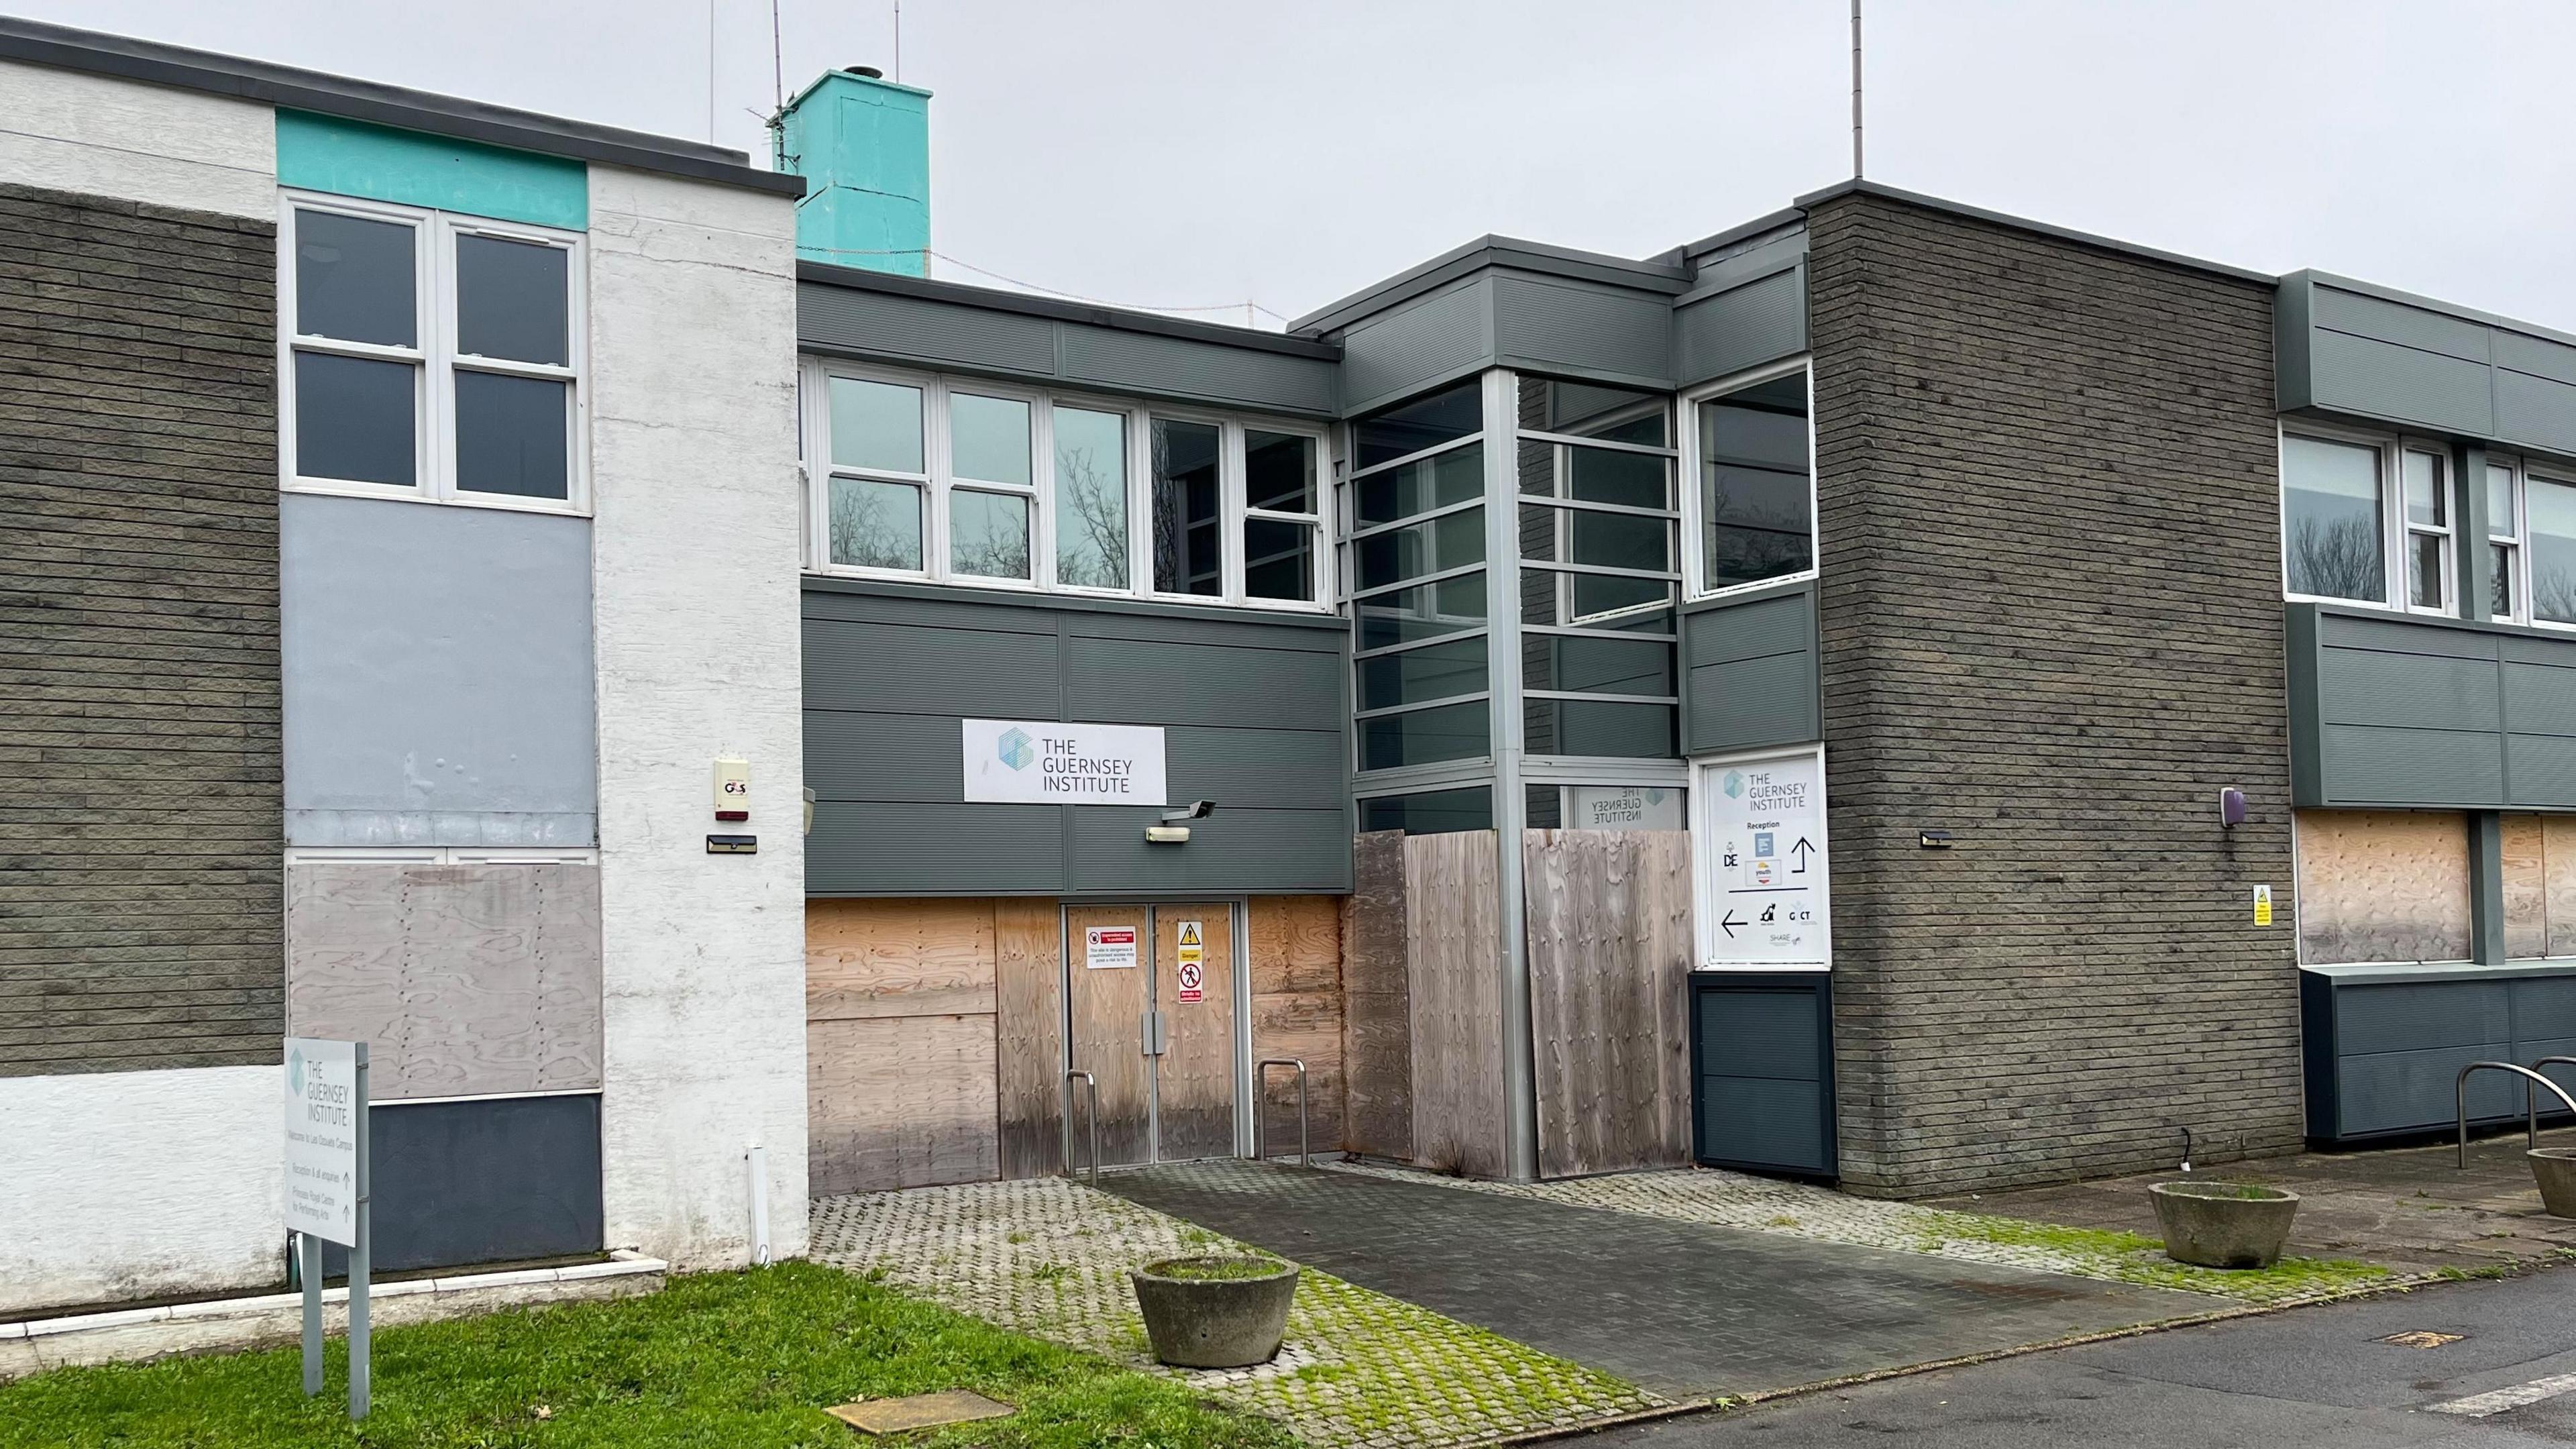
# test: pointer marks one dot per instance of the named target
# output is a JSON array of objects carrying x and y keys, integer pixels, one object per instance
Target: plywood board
[
  {"x": 1608, "y": 916},
  {"x": 1377, "y": 1010},
  {"x": 1296, "y": 966},
  {"x": 2526, "y": 887},
  {"x": 1194, "y": 1082},
  {"x": 2558, "y": 883},
  {"x": 2382, "y": 885},
  {"x": 898, "y": 958},
  {"x": 1455, "y": 982},
  {"x": 899, "y": 1102},
  {"x": 463, "y": 980},
  {"x": 1107, "y": 1006},
  {"x": 1028, "y": 1029}
]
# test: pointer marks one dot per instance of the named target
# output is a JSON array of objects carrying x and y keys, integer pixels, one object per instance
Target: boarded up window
[
  {"x": 2383, "y": 885},
  {"x": 2539, "y": 886}
]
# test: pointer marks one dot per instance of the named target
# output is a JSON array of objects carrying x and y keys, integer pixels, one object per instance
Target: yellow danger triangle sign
[{"x": 1189, "y": 933}]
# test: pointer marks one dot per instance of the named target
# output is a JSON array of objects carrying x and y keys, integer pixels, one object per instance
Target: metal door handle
[{"x": 1155, "y": 1031}]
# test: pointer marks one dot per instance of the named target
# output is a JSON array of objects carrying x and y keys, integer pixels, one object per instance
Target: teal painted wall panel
[
  {"x": 863, "y": 145},
  {"x": 381, "y": 163}
]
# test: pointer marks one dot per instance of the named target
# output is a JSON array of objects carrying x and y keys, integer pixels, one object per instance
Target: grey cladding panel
[
  {"x": 2542, "y": 771},
  {"x": 1750, "y": 629},
  {"x": 1761, "y": 1034},
  {"x": 2340, "y": 311},
  {"x": 894, "y": 849},
  {"x": 1440, "y": 335},
  {"x": 2518, "y": 352},
  {"x": 914, "y": 759},
  {"x": 1761, "y": 1121},
  {"x": 1751, "y": 679},
  {"x": 966, "y": 673},
  {"x": 2415, "y": 712},
  {"x": 2402, "y": 636},
  {"x": 437, "y": 672},
  {"x": 1745, "y": 327},
  {"x": 916, "y": 329},
  {"x": 1141, "y": 362},
  {"x": 2364, "y": 687},
  {"x": 1564, "y": 324},
  {"x": 2540, "y": 698},
  {"x": 458, "y": 1183},
  {"x": 1134, "y": 682},
  {"x": 2410, "y": 1016},
  {"x": 2544, "y": 1008},
  {"x": 1247, "y": 850},
  {"x": 2537, "y": 410},
  {"x": 2384, "y": 380},
  {"x": 2370, "y": 766},
  {"x": 2410, "y": 1091}
]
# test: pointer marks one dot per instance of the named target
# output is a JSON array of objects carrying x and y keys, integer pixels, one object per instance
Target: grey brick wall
[
  {"x": 2051, "y": 622},
  {"x": 140, "y": 839}
]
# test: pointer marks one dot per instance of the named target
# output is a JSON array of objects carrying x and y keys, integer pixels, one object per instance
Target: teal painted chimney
[{"x": 862, "y": 143}]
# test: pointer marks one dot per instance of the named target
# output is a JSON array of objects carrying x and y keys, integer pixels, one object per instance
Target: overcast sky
[{"x": 1202, "y": 152}]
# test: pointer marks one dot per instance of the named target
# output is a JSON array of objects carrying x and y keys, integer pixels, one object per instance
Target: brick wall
[
  {"x": 2051, "y": 620},
  {"x": 139, "y": 833}
]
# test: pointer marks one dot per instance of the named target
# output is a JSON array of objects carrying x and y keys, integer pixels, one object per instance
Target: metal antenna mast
[
  {"x": 898, "y": 42},
  {"x": 1855, "y": 90}
]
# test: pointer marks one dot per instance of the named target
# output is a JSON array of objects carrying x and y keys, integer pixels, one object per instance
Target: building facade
[{"x": 1888, "y": 692}]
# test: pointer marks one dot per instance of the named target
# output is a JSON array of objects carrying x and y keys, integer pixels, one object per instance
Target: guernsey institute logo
[
  {"x": 1015, "y": 749},
  {"x": 295, "y": 1073},
  {"x": 1734, "y": 784}
]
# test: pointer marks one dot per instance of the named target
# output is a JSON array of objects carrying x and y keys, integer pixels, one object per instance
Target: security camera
[{"x": 1196, "y": 810}]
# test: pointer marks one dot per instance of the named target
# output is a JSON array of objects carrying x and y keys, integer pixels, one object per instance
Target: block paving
[{"x": 1049, "y": 1258}]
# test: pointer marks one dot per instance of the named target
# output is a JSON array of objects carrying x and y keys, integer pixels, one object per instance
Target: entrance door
[
  {"x": 1194, "y": 989},
  {"x": 1108, "y": 992},
  {"x": 1149, "y": 994}
]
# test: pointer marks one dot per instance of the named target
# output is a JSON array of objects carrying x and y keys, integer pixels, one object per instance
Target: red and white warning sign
[
  {"x": 1188, "y": 946},
  {"x": 1108, "y": 948}
]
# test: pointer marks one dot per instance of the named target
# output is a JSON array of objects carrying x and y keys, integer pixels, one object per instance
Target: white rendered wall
[
  {"x": 69, "y": 131},
  {"x": 695, "y": 575},
  {"x": 118, "y": 1185}
]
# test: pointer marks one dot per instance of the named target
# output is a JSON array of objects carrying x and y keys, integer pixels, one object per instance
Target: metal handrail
[
  {"x": 1094, "y": 1083},
  {"x": 2531, "y": 1104},
  {"x": 1261, "y": 1079}
]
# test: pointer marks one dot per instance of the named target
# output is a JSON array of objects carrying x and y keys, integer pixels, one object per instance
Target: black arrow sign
[
  {"x": 1730, "y": 923},
  {"x": 1802, "y": 850}
]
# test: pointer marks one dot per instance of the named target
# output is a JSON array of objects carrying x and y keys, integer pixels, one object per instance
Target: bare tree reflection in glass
[
  {"x": 875, "y": 524},
  {"x": 1090, "y": 499},
  {"x": 988, "y": 534}
]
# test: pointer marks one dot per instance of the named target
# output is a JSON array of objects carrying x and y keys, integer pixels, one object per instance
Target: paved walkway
[
  {"x": 2407, "y": 1207},
  {"x": 1683, "y": 1308}
]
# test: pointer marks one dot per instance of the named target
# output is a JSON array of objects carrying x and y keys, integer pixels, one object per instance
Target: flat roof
[
  {"x": 996, "y": 299},
  {"x": 65, "y": 48},
  {"x": 1492, "y": 251}
]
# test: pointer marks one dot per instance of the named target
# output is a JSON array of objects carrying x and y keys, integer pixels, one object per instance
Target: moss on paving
[
  {"x": 715, "y": 1361},
  {"x": 2137, "y": 1258}
]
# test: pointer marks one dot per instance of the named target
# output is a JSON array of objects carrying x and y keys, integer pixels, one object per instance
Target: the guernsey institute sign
[{"x": 1024, "y": 762}]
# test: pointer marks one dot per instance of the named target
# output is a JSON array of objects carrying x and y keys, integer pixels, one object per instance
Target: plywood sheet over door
[
  {"x": 1195, "y": 1079},
  {"x": 899, "y": 1043},
  {"x": 1107, "y": 1005},
  {"x": 1455, "y": 983},
  {"x": 1028, "y": 1029},
  {"x": 1609, "y": 960},
  {"x": 1296, "y": 967}
]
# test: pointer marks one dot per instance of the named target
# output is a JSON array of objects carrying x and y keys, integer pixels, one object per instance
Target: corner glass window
[
  {"x": 1430, "y": 812},
  {"x": 2332, "y": 512},
  {"x": 370, "y": 357},
  {"x": 1756, "y": 484},
  {"x": 1425, "y": 423}
]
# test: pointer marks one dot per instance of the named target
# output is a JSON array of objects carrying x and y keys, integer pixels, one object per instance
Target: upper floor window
[
  {"x": 959, "y": 481},
  {"x": 1753, "y": 501},
  {"x": 2531, "y": 535},
  {"x": 427, "y": 355}
]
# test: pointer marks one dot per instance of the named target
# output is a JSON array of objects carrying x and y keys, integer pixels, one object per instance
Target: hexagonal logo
[{"x": 1016, "y": 749}]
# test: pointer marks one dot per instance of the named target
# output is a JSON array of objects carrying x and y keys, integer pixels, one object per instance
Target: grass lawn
[{"x": 736, "y": 1360}]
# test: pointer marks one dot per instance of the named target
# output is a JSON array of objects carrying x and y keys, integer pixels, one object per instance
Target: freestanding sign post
[{"x": 327, "y": 1191}]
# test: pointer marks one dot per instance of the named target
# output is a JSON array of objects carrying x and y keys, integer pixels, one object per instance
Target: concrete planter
[
  {"x": 1215, "y": 1312},
  {"x": 2224, "y": 1224},
  {"x": 2554, "y": 1168}
]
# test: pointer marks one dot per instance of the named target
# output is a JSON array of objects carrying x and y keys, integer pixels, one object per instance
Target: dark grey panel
[
  {"x": 492, "y": 1181},
  {"x": 2540, "y": 771},
  {"x": 2366, "y": 687},
  {"x": 2338, "y": 310},
  {"x": 1762, "y": 1072},
  {"x": 2540, "y": 698},
  {"x": 2416, "y": 1015},
  {"x": 1254, "y": 710},
  {"x": 1567, "y": 325},
  {"x": 1774, "y": 624},
  {"x": 1760, "y": 1122},
  {"x": 915, "y": 329},
  {"x": 2397, "y": 635},
  {"x": 896, "y": 849},
  {"x": 1183, "y": 367},
  {"x": 2412, "y": 1091},
  {"x": 966, "y": 673},
  {"x": 1740, "y": 328},
  {"x": 2384, "y": 380},
  {"x": 1761, "y": 1034},
  {"x": 1436, "y": 337},
  {"x": 2544, "y": 1015},
  {"x": 2540, "y": 411},
  {"x": 2366, "y": 766},
  {"x": 1234, "y": 850},
  {"x": 1133, "y": 682}
]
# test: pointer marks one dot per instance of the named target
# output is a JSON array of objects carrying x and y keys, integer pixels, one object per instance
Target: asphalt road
[{"x": 2316, "y": 1376}]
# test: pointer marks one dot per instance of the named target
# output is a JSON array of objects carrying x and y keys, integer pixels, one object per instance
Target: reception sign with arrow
[{"x": 1763, "y": 860}]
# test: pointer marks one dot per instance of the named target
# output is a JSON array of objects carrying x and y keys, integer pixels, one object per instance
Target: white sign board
[
  {"x": 1615, "y": 807},
  {"x": 1761, "y": 859},
  {"x": 322, "y": 1110},
  {"x": 1027, "y": 762},
  {"x": 1108, "y": 948}
]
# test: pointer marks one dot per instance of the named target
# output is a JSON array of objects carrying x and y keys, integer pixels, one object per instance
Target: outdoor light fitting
[
  {"x": 1936, "y": 840},
  {"x": 1167, "y": 835}
]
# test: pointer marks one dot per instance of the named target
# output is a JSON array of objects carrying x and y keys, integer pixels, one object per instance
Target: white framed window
[
  {"x": 430, "y": 356},
  {"x": 2504, "y": 541},
  {"x": 2368, "y": 518},
  {"x": 2549, "y": 544},
  {"x": 1749, "y": 502},
  {"x": 961, "y": 481},
  {"x": 2426, "y": 502}
]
